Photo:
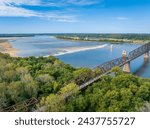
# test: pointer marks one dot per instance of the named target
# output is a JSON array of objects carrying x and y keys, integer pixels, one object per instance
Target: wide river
[{"x": 77, "y": 53}]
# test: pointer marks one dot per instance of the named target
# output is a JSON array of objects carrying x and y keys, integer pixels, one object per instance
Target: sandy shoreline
[
  {"x": 7, "y": 48},
  {"x": 77, "y": 49}
]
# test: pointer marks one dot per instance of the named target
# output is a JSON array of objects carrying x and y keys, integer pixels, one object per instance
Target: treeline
[
  {"x": 107, "y": 37},
  {"x": 56, "y": 85}
]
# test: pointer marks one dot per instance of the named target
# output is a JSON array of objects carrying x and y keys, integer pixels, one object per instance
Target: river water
[{"x": 86, "y": 54}]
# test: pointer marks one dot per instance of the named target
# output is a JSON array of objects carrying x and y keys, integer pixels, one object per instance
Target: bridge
[
  {"x": 105, "y": 68},
  {"x": 121, "y": 61}
]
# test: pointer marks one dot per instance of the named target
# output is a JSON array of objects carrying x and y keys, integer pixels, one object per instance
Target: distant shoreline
[
  {"x": 113, "y": 41},
  {"x": 7, "y": 48}
]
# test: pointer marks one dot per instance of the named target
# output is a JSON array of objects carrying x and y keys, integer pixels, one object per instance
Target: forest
[{"x": 50, "y": 80}]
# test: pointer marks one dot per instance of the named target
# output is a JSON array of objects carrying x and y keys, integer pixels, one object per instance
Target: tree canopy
[{"x": 55, "y": 84}]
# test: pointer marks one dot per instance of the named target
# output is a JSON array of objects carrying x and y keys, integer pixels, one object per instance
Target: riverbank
[
  {"x": 7, "y": 48},
  {"x": 113, "y": 41}
]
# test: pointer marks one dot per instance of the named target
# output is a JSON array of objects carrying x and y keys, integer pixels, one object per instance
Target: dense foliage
[
  {"x": 24, "y": 78},
  {"x": 56, "y": 85},
  {"x": 121, "y": 93}
]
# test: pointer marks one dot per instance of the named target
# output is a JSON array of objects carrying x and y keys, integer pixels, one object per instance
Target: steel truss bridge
[{"x": 105, "y": 69}]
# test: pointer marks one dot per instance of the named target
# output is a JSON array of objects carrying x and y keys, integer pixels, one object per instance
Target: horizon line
[{"x": 71, "y": 33}]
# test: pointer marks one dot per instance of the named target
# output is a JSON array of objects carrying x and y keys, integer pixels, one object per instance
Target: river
[{"x": 77, "y": 53}]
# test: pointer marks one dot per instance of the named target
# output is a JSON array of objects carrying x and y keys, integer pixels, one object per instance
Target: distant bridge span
[{"x": 105, "y": 69}]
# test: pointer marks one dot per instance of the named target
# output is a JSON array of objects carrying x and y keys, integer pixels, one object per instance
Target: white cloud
[
  {"x": 83, "y": 2},
  {"x": 20, "y": 2},
  {"x": 50, "y": 2},
  {"x": 12, "y": 8},
  {"x": 12, "y": 11},
  {"x": 69, "y": 2},
  {"x": 122, "y": 18},
  {"x": 59, "y": 17}
]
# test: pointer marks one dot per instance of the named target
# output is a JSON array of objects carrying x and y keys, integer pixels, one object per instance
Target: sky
[{"x": 74, "y": 16}]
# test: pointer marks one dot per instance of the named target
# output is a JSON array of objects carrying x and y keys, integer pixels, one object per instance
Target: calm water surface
[{"x": 46, "y": 45}]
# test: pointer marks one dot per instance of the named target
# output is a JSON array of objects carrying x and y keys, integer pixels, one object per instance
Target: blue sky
[{"x": 74, "y": 16}]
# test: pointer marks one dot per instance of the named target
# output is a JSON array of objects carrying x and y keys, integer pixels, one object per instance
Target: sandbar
[{"x": 7, "y": 48}]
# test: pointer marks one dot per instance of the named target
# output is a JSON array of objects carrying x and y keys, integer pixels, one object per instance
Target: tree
[
  {"x": 117, "y": 70},
  {"x": 22, "y": 70},
  {"x": 97, "y": 71},
  {"x": 144, "y": 92},
  {"x": 45, "y": 78},
  {"x": 69, "y": 90},
  {"x": 82, "y": 75},
  {"x": 52, "y": 103},
  {"x": 16, "y": 92},
  {"x": 56, "y": 102},
  {"x": 145, "y": 107},
  {"x": 3, "y": 96},
  {"x": 9, "y": 75}
]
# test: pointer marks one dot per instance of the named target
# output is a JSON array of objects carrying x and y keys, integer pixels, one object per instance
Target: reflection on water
[
  {"x": 111, "y": 47},
  {"x": 143, "y": 68}
]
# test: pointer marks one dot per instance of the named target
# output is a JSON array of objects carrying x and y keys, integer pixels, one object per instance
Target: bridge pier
[
  {"x": 126, "y": 67},
  {"x": 146, "y": 56}
]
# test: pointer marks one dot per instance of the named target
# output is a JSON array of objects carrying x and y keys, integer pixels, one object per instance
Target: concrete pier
[
  {"x": 146, "y": 56},
  {"x": 126, "y": 67}
]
